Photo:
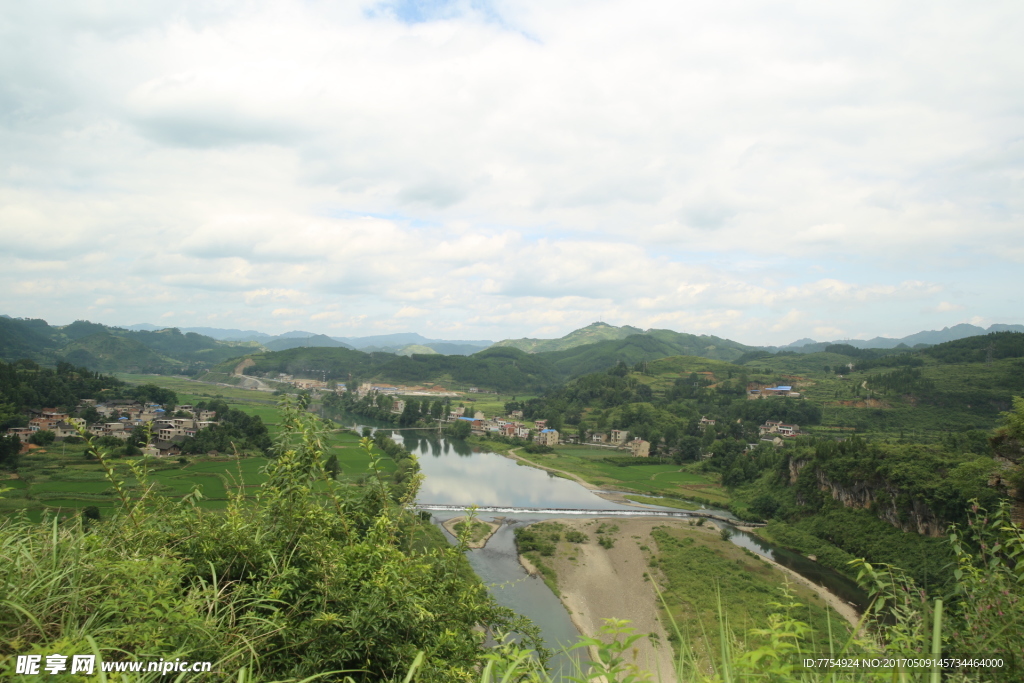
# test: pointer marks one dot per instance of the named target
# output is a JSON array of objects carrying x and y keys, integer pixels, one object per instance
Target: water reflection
[{"x": 485, "y": 478}]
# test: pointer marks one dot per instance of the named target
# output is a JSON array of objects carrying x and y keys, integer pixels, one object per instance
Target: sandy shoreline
[
  {"x": 834, "y": 601},
  {"x": 597, "y": 583}
]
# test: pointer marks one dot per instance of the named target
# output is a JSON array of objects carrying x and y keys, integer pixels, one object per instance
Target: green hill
[
  {"x": 112, "y": 349},
  {"x": 414, "y": 349},
  {"x": 20, "y": 338},
  {"x": 501, "y": 368},
  {"x": 308, "y": 361},
  {"x": 296, "y": 342},
  {"x": 595, "y": 332},
  {"x": 651, "y": 345},
  {"x": 106, "y": 352}
]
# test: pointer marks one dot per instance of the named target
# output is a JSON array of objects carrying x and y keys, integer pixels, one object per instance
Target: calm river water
[{"x": 457, "y": 474}]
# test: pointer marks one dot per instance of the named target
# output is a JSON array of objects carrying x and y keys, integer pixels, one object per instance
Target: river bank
[
  {"x": 474, "y": 543},
  {"x": 596, "y": 582},
  {"x": 611, "y": 496}
]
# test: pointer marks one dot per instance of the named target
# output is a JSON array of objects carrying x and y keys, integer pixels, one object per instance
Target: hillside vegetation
[
  {"x": 498, "y": 368},
  {"x": 595, "y": 332},
  {"x": 310, "y": 577},
  {"x": 111, "y": 349},
  {"x": 600, "y": 345},
  {"x": 495, "y": 368}
]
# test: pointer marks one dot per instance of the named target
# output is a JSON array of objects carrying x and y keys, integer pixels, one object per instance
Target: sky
[{"x": 761, "y": 171}]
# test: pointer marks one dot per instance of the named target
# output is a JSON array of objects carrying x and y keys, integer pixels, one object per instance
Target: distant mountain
[
  {"x": 650, "y": 345},
  {"x": 594, "y": 332},
  {"x": 800, "y": 342},
  {"x": 388, "y": 343},
  {"x": 400, "y": 340},
  {"x": 417, "y": 348},
  {"x": 283, "y": 343},
  {"x": 222, "y": 334},
  {"x": 929, "y": 337},
  {"x": 457, "y": 348}
]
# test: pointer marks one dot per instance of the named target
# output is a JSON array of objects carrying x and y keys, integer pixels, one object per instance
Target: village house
[
  {"x": 789, "y": 430},
  {"x": 398, "y": 406},
  {"x": 313, "y": 384},
  {"x": 62, "y": 430},
  {"x": 167, "y": 447},
  {"x": 516, "y": 415},
  {"x": 780, "y": 428},
  {"x": 37, "y": 424},
  {"x": 640, "y": 448},
  {"x": 547, "y": 437},
  {"x": 705, "y": 423},
  {"x": 599, "y": 437},
  {"x": 540, "y": 424},
  {"x": 618, "y": 437}
]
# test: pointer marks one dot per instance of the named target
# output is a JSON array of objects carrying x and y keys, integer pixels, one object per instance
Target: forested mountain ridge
[
  {"x": 500, "y": 369},
  {"x": 649, "y": 346},
  {"x": 590, "y": 334},
  {"x": 916, "y": 340},
  {"x": 112, "y": 349}
]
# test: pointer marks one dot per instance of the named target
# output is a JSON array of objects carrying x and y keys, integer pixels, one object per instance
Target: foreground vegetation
[{"x": 310, "y": 575}]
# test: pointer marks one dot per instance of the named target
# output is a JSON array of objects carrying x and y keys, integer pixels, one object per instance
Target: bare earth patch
[{"x": 597, "y": 583}]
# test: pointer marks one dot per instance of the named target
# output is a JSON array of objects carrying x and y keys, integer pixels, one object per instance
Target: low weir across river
[{"x": 639, "y": 512}]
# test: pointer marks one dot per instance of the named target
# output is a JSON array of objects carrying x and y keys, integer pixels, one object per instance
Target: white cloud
[
  {"x": 533, "y": 166},
  {"x": 944, "y": 307}
]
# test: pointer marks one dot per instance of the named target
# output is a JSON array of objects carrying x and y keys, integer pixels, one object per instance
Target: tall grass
[{"x": 313, "y": 579}]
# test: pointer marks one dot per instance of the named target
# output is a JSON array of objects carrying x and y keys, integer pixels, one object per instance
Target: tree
[
  {"x": 44, "y": 437},
  {"x": 332, "y": 467},
  {"x": 689, "y": 449},
  {"x": 10, "y": 448}
]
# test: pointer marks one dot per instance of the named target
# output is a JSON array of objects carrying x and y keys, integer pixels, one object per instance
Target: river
[{"x": 458, "y": 473}]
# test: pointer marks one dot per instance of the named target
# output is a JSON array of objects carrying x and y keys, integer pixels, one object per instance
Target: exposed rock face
[
  {"x": 1009, "y": 452},
  {"x": 878, "y": 494},
  {"x": 794, "y": 469},
  {"x": 883, "y": 496}
]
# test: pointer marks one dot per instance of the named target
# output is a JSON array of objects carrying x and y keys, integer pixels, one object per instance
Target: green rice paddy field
[{"x": 60, "y": 477}]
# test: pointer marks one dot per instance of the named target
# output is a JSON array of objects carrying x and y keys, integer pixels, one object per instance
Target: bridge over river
[{"x": 639, "y": 512}]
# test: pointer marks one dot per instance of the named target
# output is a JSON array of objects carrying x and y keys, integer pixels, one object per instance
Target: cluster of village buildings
[
  {"x": 754, "y": 391},
  {"x": 123, "y": 417},
  {"x": 514, "y": 426}
]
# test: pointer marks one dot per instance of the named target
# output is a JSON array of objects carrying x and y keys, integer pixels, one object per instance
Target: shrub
[
  {"x": 286, "y": 584},
  {"x": 44, "y": 437},
  {"x": 576, "y": 537}
]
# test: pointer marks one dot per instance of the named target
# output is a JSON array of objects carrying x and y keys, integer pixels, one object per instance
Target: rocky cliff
[{"x": 888, "y": 502}]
